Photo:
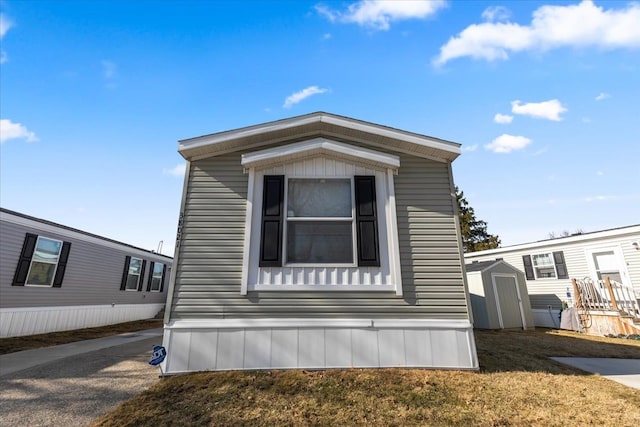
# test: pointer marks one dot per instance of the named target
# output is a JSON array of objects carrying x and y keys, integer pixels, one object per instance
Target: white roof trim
[
  {"x": 596, "y": 235},
  {"x": 319, "y": 146},
  {"x": 194, "y": 146}
]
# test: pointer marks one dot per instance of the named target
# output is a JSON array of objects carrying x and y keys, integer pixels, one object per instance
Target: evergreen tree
[{"x": 474, "y": 231}]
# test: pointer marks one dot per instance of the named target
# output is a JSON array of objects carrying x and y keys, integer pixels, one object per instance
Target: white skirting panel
[
  {"x": 318, "y": 344},
  {"x": 16, "y": 322},
  {"x": 546, "y": 318}
]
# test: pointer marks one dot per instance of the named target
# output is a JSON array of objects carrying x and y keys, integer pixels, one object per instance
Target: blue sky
[{"x": 544, "y": 97}]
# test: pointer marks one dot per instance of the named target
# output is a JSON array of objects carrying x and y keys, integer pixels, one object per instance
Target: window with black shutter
[
  {"x": 528, "y": 267},
  {"x": 42, "y": 262},
  {"x": 561, "y": 267},
  {"x": 133, "y": 274},
  {"x": 319, "y": 222}
]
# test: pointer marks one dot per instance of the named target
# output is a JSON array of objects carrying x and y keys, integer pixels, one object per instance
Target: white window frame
[
  {"x": 55, "y": 270},
  {"x": 275, "y": 161},
  {"x": 126, "y": 288},
  {"x": 153, "y": 276},
  {"x": 553, "y": 264},
  {"x": 286, "y": 219}
]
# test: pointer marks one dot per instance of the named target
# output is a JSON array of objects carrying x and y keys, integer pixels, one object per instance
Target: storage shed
[{"x": 499, "y": 297}]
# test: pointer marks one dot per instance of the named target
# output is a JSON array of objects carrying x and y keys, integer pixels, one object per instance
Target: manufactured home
[
  {"x": 56, "y": 278},
  {"x": 550, "y": 267},
  {"x": 318, "y": 241}
]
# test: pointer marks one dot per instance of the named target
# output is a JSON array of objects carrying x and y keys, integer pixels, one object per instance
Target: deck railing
[{"x": 606, "y": 295}]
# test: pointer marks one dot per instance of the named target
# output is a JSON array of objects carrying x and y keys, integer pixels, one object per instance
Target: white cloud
[
  {"x": 378, "y": 14},
  {"x": 506, "y": 143},
  {"x": 496, "y": 13},
  {"x": 109, "y": 69},
  {"x": 178, "y": 170},
  {"x": 549, "y": 110},
  {"x": 301, "y": 95},
  {"x": 579, "y": 25},
  {"x": 602, "y": 96},
  {"x": 600, "y": 173},
  {"x": 473, "y": 147},
  {"x": 598, "y": 198},
  {"x": 326, "y": 36},
  {"x": 5, "y": 24},
  {"x": 502, "y": 118},
  {"x": 10, "y": 130},
  {"x": 585, "y": 120}
]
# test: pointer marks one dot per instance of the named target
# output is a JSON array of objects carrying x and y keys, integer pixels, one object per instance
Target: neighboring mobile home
[
  {"x": 318, "y": 241},
  {"x": 550, "y": 266},
  {"x": 56, "y": 278}
]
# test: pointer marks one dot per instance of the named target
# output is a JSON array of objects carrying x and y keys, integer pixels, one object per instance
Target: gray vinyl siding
[
  {"x": 210, "y": 255},
  {"x": 92, "y": 277},
  {"x": 553, "y": 292}
]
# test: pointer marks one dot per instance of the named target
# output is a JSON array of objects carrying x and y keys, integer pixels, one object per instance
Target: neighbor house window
[
  {"x": 133, "y": 274},
  {"x": 156, "y": 277},
  {"x": 42, "y": 262},
  {"x": 550, "y": 265}
]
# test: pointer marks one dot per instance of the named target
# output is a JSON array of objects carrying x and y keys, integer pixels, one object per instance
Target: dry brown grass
[
  {"x": 517, "y": 385},
  {"x": 11, "y": 345}
]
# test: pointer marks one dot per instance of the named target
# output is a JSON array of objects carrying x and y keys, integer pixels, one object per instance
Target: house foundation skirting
[
  {"x": 16, "y": 322},
  {"x": 546, "y": 318},
  {"x": 244, "y": 344}
]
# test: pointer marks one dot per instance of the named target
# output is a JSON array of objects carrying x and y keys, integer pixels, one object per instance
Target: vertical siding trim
[
  {"x": 176, "y": 254},
  {"x": 247, "y": 236},
  {"x": 392, "y": 233},
  {"x": 456, "y": 219}
]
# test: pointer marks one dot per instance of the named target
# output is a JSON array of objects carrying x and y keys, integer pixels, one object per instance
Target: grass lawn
[
  {"x": 10, "y": 345},
  {"x": 517, "y": 385}
]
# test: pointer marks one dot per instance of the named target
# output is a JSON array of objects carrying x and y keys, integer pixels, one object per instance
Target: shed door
[{"x": 508, "y": 301}]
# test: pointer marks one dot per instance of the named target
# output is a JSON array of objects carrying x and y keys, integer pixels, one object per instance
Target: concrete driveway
[
  {"x": 73, "y": 384},
  {"x": 624, "y": 371}
]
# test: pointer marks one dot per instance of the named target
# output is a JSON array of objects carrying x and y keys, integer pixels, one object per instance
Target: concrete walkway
[
  {"x": 624, "y": 371},
  {"x": 73, "y": 384}
]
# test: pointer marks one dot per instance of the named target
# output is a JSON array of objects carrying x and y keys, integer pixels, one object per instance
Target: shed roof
[
  {"x": 480, "y": 266},
  {"x": 314, "y": 125}
]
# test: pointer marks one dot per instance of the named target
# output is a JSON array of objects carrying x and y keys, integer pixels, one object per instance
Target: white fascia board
[
  {"x": 297, "y": 150},
  {"x": 48, "y": 228},
  {"x": 596, "y": 235},
  {"x": 246, "y": 132}
]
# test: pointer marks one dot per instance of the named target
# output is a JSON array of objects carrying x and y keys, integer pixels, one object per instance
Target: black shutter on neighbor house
[
  {"x": 528, "y": 267},
  {"x": 29, "y": 245},
  {"x": 141, "y": 278},
  {"x": 125, "y": 273},
  {"x": 367, "y": 221},
  {"x": 164, "y": 273},
  {"x": 272, "y": 218},
  {"x": 150, "y": 278},
  {"x": 561, "y": 267},
  {"x": 62, "y": 264}
]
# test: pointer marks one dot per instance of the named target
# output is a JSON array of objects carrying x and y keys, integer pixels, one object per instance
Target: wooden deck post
[
  {"x": 614, "y": 303},
  {"x": 576, "y": 292}
]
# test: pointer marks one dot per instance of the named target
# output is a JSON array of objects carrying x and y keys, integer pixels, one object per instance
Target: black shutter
[
  {"x": 125, "y": 273},
  {"x": 561, "y": 267},
  {"x": 272, "y": 214},
  {"x": 62, "y": 264},
  {"x": 29, "y": 245},
  {"x": 141, "y": 278},
  {"x": 366, "y": 221},
  {"x": 164, "y": 273},
  {"x": 150, "y": 276},
  {"x": 528, "y": 267}
]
